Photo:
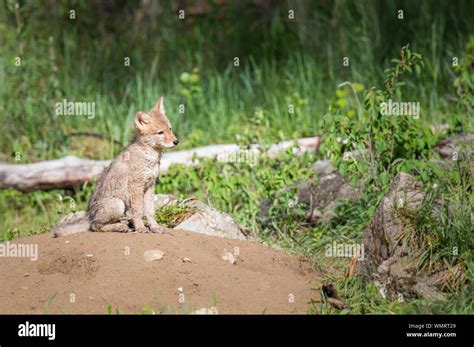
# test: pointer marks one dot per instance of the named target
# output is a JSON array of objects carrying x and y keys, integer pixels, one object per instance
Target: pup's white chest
[
  {"x": 152, "y": 168},
  {"x": 152, "y": 171}
]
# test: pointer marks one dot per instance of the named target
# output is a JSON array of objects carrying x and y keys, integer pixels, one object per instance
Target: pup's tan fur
[{"x": 125, "y": 190}]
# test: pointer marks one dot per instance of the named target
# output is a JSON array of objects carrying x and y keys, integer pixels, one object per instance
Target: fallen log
[{"x": 72, "y": 171}]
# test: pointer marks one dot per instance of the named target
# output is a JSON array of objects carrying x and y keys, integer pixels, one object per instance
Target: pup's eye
[{"x": 161, "y": 133}]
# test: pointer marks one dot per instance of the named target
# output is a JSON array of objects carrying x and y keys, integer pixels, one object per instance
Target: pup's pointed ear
[
  {"x": 142, "y": 119},
  {"x": 159, "y": 105}
]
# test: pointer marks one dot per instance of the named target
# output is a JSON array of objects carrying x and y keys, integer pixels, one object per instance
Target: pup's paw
[
  {"x": 142, "y": 229},
  {"x": 123, "y": 228}
]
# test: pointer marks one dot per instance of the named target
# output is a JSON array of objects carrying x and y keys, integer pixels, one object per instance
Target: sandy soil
[{"x": 86, "y": 273}]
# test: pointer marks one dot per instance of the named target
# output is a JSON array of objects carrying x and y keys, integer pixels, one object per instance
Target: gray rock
[
  {"x": 387, "y": 254},
  {"x": 205, "y": 219},
  {"x": 153, "y": 254},
  {"x": 462, "y": 145},
  {"x": 205, "y": 310}
]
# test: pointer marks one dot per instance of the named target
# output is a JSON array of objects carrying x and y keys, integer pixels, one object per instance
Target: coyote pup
[{"x": 125, "y": 190}]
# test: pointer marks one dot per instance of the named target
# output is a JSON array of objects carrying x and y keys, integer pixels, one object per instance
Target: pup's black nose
[{"x": 175, "y": 142}]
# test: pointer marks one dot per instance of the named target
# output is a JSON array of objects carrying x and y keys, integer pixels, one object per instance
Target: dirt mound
[{"x": 93, "y": 272}]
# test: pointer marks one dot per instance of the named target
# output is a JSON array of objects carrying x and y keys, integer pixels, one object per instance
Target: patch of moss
[{"x": 171, "y": 216}]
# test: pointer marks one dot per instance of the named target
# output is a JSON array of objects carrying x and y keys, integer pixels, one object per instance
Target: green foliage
[
  {"x": 442, "y": 227},
  {"x": 255, "y": 129},
  {"x": 237, "y": 187},
  {"x": 171, "y": 216},
  {"x": 360, "y": 297},
  {"x": 464, "y": 83},
  {"x": 367, "y": 143},
  {"x": 191, "y": 63},
  {"x": 459, "y": 302},
  {"x": 36, "y": 213},
  {"x": 190, "y": 87}
]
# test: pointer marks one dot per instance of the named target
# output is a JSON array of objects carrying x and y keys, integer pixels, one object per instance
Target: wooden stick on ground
[{"x": 72, "y": 171}]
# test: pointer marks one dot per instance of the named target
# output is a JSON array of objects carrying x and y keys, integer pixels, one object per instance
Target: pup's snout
[{"x": 175, "y": 142}]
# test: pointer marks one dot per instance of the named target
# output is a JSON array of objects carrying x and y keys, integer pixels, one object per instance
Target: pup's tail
[{"x": 72, "y": 224}]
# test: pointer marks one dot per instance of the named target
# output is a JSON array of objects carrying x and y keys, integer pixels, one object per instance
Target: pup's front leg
[
  {"x": 137, "y": 211},
  {"x": 149, "y": 202}
]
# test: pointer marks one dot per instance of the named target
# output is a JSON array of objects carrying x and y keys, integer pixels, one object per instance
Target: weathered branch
[{"x": 73, "y": 171}]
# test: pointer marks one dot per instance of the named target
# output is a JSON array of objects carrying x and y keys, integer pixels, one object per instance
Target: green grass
[
  {"x": 280, "y": 62},
  {"x": 443, "y": 226},
  {"x": 171, "y": 216}
]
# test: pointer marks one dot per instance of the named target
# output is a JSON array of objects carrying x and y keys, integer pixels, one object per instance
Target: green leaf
[
  {"x": 358, "y": 87},
  {"x": 341, "y": 93},
  {"x": 185, "y": 77},
  {"x": 341, "y": 103}
]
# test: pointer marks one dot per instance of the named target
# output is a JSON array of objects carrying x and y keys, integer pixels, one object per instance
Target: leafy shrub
[{"x": 386, "y": 143}]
